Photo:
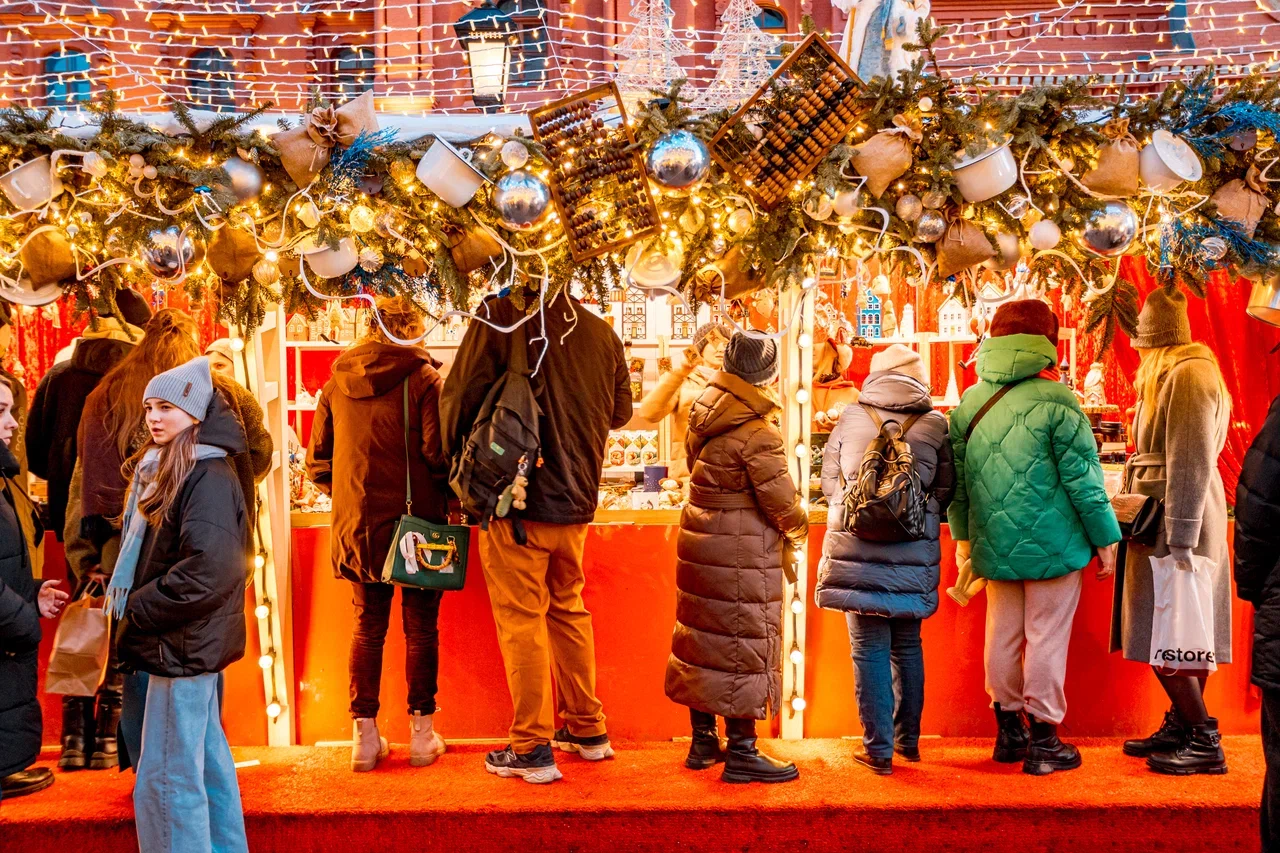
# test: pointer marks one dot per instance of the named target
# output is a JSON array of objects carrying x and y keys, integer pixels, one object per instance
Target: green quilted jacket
[{"x": 1029, "y": 492}]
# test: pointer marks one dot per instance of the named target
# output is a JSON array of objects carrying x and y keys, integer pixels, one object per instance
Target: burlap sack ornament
[
  {"x": 886, "y": 156},
  {"x": 232, "y": 254},
  {"x": 962, "y": 245},
  {"x": 1117, "y": 171},
  {"x": 414, "y": 264},
  {"x": 305, "y": 150},
  {"x": 472, "y": 247},
  {"x": 1242, "y": 202},
  {"x": 47, "y": 258},
  {"x": 738, "y": 280}
]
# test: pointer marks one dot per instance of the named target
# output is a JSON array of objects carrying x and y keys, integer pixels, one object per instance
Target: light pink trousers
[{"x": 1028, "y": 631}]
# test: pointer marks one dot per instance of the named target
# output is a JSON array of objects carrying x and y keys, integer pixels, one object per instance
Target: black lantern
[{"x": 487, "y": 33}]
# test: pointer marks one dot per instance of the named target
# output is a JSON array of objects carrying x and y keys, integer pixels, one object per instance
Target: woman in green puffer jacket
[{"x": 1030, "y": 498}]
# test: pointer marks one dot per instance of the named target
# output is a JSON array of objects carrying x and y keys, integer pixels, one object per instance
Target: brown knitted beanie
[{"x": 1163, "y": 321}]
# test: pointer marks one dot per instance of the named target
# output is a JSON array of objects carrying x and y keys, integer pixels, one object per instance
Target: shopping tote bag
[
  {"x": 80, "y": 648},
  {"x": 1182, "y": 622}
]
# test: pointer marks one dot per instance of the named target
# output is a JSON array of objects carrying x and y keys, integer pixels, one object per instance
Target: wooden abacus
[
  {"x": 779, "y": 136},
  {"x": 599, "y": 185}
]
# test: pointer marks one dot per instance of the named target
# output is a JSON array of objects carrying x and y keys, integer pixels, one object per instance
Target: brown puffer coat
[
  {"x": 743, "y": 513},
  {"x": 357, "y": 452}
]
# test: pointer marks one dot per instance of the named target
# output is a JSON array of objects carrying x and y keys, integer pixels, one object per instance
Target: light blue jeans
[{"x": 186, "y": 799}]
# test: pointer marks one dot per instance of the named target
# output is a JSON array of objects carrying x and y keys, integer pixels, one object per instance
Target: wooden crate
[
  {"x": 599, "y": 184},
  {"x": 779, "y": 136}
]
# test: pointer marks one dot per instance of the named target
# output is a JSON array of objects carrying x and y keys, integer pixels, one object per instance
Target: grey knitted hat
[
  {"x": 705, "y": 331},
  {"x": 188, "y": 386},
  {"x": 1163, "y": 321},
  {"x": 753, "y": 360}
]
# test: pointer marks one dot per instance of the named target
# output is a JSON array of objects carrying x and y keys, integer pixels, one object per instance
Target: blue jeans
[
  {"x": 186, "y": 799},
  {"x": 888, "y": 671}
]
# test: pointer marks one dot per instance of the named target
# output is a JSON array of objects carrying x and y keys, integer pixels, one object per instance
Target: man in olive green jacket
[{"x": 1030, "y": 498}]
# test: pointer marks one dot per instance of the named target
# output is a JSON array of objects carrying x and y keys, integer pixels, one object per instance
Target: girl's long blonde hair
[
  {"x": 177, "y": 458},
  {"x": 1157, "y": 363}
]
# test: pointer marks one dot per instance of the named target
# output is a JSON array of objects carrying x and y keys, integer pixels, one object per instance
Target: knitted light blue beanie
[{"x": 188, "y": 386}]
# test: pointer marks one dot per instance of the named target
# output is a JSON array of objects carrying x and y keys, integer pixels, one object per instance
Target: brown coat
[
  {"x": 743, "y": 514},
  {"x": 357, "y": 451}
]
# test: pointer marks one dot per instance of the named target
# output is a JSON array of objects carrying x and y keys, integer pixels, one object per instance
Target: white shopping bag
[{"x": 1182, "y": 623}]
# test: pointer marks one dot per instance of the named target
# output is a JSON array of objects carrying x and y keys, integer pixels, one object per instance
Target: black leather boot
[
  {"x": 707, "y": 750},
  {"x": 104, "y": 755},
  {"x": 77, "y": 717},
  {"x": 1046, "y": 754},
  {"x": 744, "y": 763},
  {"x": 1202, "y": 753},
  {"x": 1011, "y": 737},
  {"x": 1171, "y": 735}
]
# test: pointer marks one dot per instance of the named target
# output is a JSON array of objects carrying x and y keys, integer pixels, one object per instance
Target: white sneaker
[
  {"x": 591, "y": 748},
  {"x": 367, "y": 746},
  {"x": 425, "y": 744}
]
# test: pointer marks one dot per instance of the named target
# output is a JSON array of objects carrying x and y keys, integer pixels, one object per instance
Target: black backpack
[
  {"x": 887, "y": 502},
  {"x": 504, "y": 440}
]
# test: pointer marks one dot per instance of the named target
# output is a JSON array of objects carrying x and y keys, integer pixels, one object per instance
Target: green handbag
[{"x": 423, "y": 554}]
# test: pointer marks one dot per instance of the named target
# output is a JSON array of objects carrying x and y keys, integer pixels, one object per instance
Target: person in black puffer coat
[
  {"x": 887, "y": 589},
  {"x": 1257, "y": 573},
  {"x": 179, "y": 585},
  {"x": 22, "y": 603}
]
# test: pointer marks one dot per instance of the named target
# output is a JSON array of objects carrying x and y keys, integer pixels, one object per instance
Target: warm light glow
[
  {"x": 266, "y": 661},
  {"x": 798, "y": 703},
  {"x": 273, "y": 710},
  {"x": 258, "y": 560},
  {"x": 262, "y": 611}
]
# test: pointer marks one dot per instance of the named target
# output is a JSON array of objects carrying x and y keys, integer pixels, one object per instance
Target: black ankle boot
[
  {"x": 744, "y": 763},
  {"x": 1011, "y": 737},
  {"x": 1045, "y": 753},
  {"x": 1171, "y": 735},
  {"x": 707, "y": 750},
  {"x": 104, "y": 755},
  {"x": 77, "y": 716},
  {"x": 1202, "y": 753}
]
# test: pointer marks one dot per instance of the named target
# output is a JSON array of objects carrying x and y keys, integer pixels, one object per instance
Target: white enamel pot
[
  {"x": 31, "y": 184},
  {"x": 986, "y": 175},
  {"x": 331, "y": 263},
  {"x": 449, "y": 174},
  {"x": 1167, "y": 161}
]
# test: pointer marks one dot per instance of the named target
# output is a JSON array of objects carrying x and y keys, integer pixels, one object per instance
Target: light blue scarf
[{"x": 135, "y": 527}]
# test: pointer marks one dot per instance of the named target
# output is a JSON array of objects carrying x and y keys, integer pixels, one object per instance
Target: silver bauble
[
  {"x": 1017, "y": 206},
  {"x": 1109, "y": 230},
  {"x": 1044, "y": 235},
  {"x": 909, "y": 207},
  {"x": 170, "y": 252},
  {"x": 846, "y": 201},
  {"x": 247, "y": 179},
  {"x": 1008, "y": 252},
  {"x": 266, "y": 273},
  {"x": 678, "y": 161},
  {"x": 934, "y": 199},
  {"x": 521, "y": 199},
  {"x": 930, "y": 227},
  {"x": 515, "y": 154},
  {"x": 1213, "y": 248}
]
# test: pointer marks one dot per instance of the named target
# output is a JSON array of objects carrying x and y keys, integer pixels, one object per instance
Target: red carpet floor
[{"x": 305, "y": 799}]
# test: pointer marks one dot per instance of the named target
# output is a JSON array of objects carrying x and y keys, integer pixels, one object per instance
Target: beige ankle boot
[
  {"x": 367, "y": 746},
  {"x": 425, "y": 745}
]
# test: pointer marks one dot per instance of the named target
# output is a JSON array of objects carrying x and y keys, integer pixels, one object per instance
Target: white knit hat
[{"x": 899, "y": 358}]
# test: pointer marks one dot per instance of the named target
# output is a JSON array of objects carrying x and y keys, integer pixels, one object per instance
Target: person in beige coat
[
  {"x": 1183, "y": 411},
  {"x": 680, "y": 387}
]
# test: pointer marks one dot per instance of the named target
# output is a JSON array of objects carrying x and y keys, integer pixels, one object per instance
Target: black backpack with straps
[
  {"x": 887, "y": 502},
  {"x": 504, "y": 440}
]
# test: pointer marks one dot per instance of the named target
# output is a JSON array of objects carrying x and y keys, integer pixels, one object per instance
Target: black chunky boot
[
  {"x": 1171, "y": 735},
  {"x": 744, "y": 763},
  {"x": 104, "y": 756},
  {"x": 1011, "y": 737},
  {"x": 77, "y": 721},
  {"x": 1202, "y": 753},
  {"x": 707, "y": 750},
  {"x": 1045, "y": 753}
]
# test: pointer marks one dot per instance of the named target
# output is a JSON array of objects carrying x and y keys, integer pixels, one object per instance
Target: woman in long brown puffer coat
[{"x": 740, "y": 529}]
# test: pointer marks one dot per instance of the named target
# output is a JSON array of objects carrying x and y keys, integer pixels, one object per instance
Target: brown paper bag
[
  {"x": 738, "y": 282},
  {"x": 1117, "y": 171},
  {"x": 1242, "y": 202},
  {"x": 305, "y": 151},
  {"x": 886, "y": 156},
  {"x": 232, "y": 254},
  {"x": 962, "y": 246},
  {"x": 472, "y": 248},
  {"x": 80, "y": 649},
  {"x": 47, "y": 259},
  {"x": 354, "y": 117}
]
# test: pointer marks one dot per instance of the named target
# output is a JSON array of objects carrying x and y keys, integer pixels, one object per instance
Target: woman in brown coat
[
  {"x": 739, "y": 530},
  {"x": 358, "y": 453}
]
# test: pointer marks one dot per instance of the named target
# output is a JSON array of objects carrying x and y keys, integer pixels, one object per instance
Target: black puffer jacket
[
  {"x": 20, "y": 723},
  {"x": 186, "y": 611},
  {"x": 55, "y": 417},
  {"x": 1257, "y": 546}
]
